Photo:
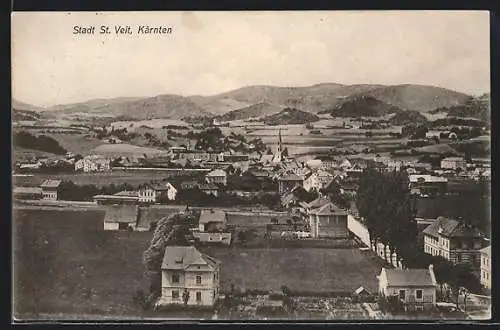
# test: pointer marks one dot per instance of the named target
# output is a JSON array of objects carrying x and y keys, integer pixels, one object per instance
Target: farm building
[
  {"x": 155, "y": 192},
  {"x": 328, "y": 221},
  {"x": 415, "y": 289},
  {"x": 50, "y": 189},
  {"x": 121, "y": 217},
  {"x": 189, "y": 277}
]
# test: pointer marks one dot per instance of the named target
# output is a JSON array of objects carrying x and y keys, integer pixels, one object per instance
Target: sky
[{"x": 214, "y": 52}]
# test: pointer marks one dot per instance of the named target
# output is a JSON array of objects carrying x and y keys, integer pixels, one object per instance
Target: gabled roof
[
  {"x": 290, "y": 177},
  {"x": 318, "y": 202},
  {"x": 50, "y": 184},
  {"x": 451, "y": 228},
  {"x": 426, "y": 178},
  {"x": 122, "y": 213},
  {"x": 486, "y": 250},
  {"x": 207, "y": 216},
  {"x": 329, "y": 208},
  {"x": 217, "y": 172},
  {"x": 127, "y": 193},
  {"x": 409, "y": 277},
  {"x": 181, "y": 257}
]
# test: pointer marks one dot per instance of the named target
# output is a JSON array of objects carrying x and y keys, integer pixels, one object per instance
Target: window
[
  {"x": 198, "y": 279},
  {"x": 175, "y": 278},
  {"x": 198, "y": 296},
  {"x": 175, "y": 294},
  {"x": 402, "y": 294},
  {"x": 418, "y": 294}
]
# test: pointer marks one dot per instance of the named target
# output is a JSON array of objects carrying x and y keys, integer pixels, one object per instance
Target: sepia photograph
[{"x": 251, "y": 166}]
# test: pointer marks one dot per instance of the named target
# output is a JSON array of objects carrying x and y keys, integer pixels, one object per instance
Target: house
[
  {"x": 209, "y": 189},
  {"x": 155, "y": 192},
  {"x": 211, "y": 220},
  {"x": 287, "y": 182},
  {"x": 415, "y": 289},
  {"x": 318, "y": 202},
  {"x": 293, "y": 197},
  {"x": 27, "y": 193},
  {"x": 328, "y": 221},
  {"x": 93, "y": 163},
  {"x": 217, "y": 176},
  {"x": 122, "y": 197},
  {"x": 453, "y": 163},
  {"x": 189, "y": 277},
  {"x": 50, "y": 189},
  {"x": 121, "y": 217},
  {"x": 454, "y": 241},
  {"x": 427, "y": 184},
  {"x": 213, "y": 238},
  {"x": 317, "y": 180},
  {"x": 327, "y": 161},
  {"x": 486, "y": 267}
]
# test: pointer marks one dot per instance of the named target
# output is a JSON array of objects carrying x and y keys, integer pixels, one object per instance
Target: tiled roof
[
  {"x": 409, "y": 277},
  {"x": 180, "y": 257},
  {"x": 121, "y": 213},
  {"x": 318, "y": 202},
  {"x": 450, "y": 228},
  {"x": 50, "y": 184},
  {"x": 207, "y": 216}
]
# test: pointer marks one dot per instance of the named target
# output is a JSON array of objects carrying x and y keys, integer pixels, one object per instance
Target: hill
[
  {"x": 416, "y": 97},
  {"x": 475, "y": 107},
  {"x": 29, "y": 115},
  {"x": 407, "y": 117},
  {"x": 162, "y": 106},
  {"x": 255, "y": 110},
  {"x": 290, "y": 116},
  {"x": 362, "y": 106},
  {"x": 25, "y": 106}
]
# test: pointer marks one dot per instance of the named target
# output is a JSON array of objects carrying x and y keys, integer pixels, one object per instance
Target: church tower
[{"x": 278, "y": 155}]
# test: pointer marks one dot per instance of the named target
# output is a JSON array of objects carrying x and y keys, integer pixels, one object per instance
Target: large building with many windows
[
  {"x": 189, "y": 277},
  {"x": 454, "y": 241}
]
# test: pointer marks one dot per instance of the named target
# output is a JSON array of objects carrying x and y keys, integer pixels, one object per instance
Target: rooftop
[
  {"x": 329, "y": 208},
  {"x": 207, "y": 216},
  {"x": 50, "y": 184},
  {"x": 426, "y": 178},
  {"x": 486, "y": 250},
  {"x": 290, "y": 177},
  {"x": 122, "y": 213},
  {"x": 409, "y": 277},
  {"x": 451, "y": 228},
  {"x": 217, "y": 172},
  {"x": 180, "y": 257}
]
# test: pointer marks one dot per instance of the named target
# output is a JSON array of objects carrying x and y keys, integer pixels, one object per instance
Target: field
[
  {"x": 133, "y": 178},
  {"x": 125, "y": 149},
  {"x": 304, "y": 270},
  {"x": 65, "y": 263}
]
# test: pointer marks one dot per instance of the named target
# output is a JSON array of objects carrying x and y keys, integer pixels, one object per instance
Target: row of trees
[
  {"x": 197, "y": 197},
  {"x": 70, "y": 191},
  {"x": 388, "y": 209}
]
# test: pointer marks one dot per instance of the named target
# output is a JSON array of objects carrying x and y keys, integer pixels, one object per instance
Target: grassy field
[
  {"x": 305, "y": 270},
  {"x": 65, "y": 263}
]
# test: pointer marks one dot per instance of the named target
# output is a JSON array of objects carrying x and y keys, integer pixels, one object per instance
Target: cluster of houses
[{"x": 48, "y": 190}]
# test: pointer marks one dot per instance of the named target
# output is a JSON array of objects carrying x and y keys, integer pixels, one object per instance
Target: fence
[{"x": 361, "y": 232}]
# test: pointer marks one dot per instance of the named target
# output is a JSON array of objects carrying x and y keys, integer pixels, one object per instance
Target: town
[
  {"x": 212, "y": 199},
  {"x": 225, "y": 167}
]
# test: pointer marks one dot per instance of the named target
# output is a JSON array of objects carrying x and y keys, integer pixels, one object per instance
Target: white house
[
  {"x": 154, "y": 192},
  {"x": 486, "y": 267},
  {"x": 317, "y": 180},
  {"x": 189, "y": 277},
  {"x": 50, "y": 189},
  {"x": 414, "y": 288},
  {"x": 93, "y": 163},
  {"x": 453, "y": 163},
  {"x": 217, "y": 176}
]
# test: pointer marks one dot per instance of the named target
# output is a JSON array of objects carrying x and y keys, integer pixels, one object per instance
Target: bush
[{"x": 42, "y": 143}]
